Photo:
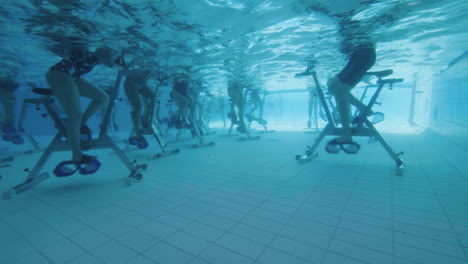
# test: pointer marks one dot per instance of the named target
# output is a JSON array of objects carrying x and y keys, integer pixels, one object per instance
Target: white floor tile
[
  {"x": 113, "y": 253},
  {"x": 85, "y": 259},
  {"x": 89, "y": 239},
  {"x": 241, "y": 245},
  {"x": 273, "y": 256},
  {"x": 299, "y": 249},
  {"x": 204, "y": 231},
  {"x": 252, "y": 233},
  {"x": 34, "y": 258},
  {"x": 15, "y": 249},
  {"x": 163, "y": 253},
  {"x": 360, "y": 253},
  {"x": 217, "y": 254},
  {"x": 62, "y": 251},
  {"x": 188, "y": 242},
  {"x": 255, "y": 205},
  {"x": 137, "y": 240},
  {"x": 333, "y": 258},
  {"x": 157, "y": 229}
]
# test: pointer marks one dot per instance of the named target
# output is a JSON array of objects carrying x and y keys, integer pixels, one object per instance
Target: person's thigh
[
  {"x": 132, "y": 95},
  {"x": 66, "y": 91},
  {"x": 89, "y": 90},
  {"x": 179, "y": 99},
  {"x": 146, "y": 92}
]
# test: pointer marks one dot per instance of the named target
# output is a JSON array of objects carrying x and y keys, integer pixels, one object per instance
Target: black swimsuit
[
  {"x": 362, "y": 59},
  {"x": 357, "y": 44},
  {"x": 8, "y": 85},
  {"x": 181, "y": 87},
  {"x": 79, "y": 62}
]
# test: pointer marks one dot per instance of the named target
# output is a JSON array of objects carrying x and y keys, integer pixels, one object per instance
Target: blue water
[{"x": 245, "y": 201}]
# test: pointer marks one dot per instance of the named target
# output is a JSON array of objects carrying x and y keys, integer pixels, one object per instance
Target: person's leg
[
  {"x": 193, "y": 116},
  {"x": 191, "y": 108},
  {"x": 358, "y": 104},
  {"x": 148, "y": 97},
  {"x": 340, "y": 91},
  {"x": 112, "y": 126},
  {"x": 183, "y": 104},
  {"x": 135, "y": 103},
  {"x": 176, "y": 113},
  {"x": 340, "y": 86},
  {"x": 221, "y": 112},
  {"x": 360, "y": 62},
  {"x": 99, "y": 98},
  {"x": 240, "y": 106},
  {"x": 234, "y": 98},
  {"x": 66, "y": 91},
  {"x": 221, "y": 107},
  {"x": 256, "y": 102},
  {"x": 8, "y": 100},
  {"x": 255, "y": 106},
  {"x": 147, "y": 93}
]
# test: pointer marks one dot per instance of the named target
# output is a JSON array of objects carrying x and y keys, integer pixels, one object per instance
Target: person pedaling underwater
[
  {"x": 66, "y": 81},
  {"x": 8, "y": 86},
  {"x": 360, "y": 50},
  {"x": 138, "y": 91},
  {"x": 235, "y": 92},
  {"x": 256, "y": 102},
  {"x": 180, "y": 95},
  {"x": 221, "y": 106}
]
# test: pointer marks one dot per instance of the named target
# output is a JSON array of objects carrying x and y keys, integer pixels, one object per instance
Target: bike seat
[
  {"x": 380, "y": 74},
  {"x": 43, "y": 91},
  {"x": 391, "y": 81}
]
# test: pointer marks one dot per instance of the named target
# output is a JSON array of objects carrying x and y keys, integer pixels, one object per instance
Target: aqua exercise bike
[
  {"x": 150, "y": 126},
  {"x": 361, "y": 126},
  {"x": 60, "y": 143}
]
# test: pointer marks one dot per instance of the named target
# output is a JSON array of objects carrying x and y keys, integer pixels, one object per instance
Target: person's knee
[
  {"x": 102, "y": 99},
  {"x": 136, "y": 107},
  {"x": 146, "y": 92},
  {"x": 338, "y": 88}
]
